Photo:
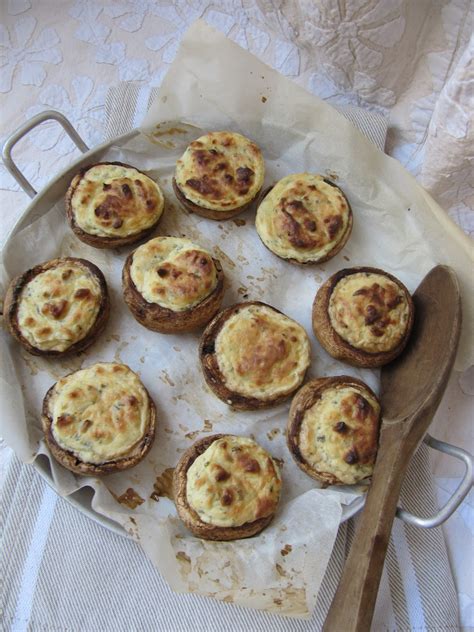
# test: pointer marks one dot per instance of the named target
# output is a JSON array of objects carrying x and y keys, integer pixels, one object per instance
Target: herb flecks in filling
[
  {"x": 261, "y": 352},
  {"x": 173, "y": 272},
  {"x": 220, "y": 171},
  {"x": 233, "y": 482},
  {"x": 303, "y": 217},
  {"x": 339, "y": 433},
  {"x": 369, "y": 311},
  {"x": 59, "y": 306},
  {"x": 116, "y": 201},
  {"x": 100, "y": 413}
]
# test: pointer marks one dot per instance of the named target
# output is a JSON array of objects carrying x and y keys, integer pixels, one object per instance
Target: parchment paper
[{"x": 213, "y": 84}]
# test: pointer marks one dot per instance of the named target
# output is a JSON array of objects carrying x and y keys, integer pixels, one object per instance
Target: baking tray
[{"x": 42, "y": 201}]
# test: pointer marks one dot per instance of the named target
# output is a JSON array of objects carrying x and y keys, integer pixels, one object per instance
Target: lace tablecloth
[{"x": 410, "y": 61}]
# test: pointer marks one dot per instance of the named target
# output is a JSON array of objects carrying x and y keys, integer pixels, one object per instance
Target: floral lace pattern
[{"x": 391, "y": 56}]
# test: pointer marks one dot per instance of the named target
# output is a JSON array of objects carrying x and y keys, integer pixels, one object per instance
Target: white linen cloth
[{"x": 63, "y": 571}]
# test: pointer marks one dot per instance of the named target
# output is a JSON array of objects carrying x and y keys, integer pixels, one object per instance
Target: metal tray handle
[
  {"x": 23, "y": 130},
  {"x": 458, "y": 496}
]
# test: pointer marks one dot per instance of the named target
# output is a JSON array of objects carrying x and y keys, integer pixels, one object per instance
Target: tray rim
[{"x": 78, "y": 498}]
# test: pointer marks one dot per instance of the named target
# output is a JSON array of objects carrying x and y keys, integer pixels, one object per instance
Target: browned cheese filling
[
  {"x": 59, "y": 306},
  {"x": 303, "y": 217},
  {"x": 116, "y": 201},
  {"x": 339, "y": 433},
  {"x": 220, "y": 171},
  {"x": 100, "y": 413},
  {"x": 369, "y": 311},
  {"x": 261, "y": 352},
  {"x": 233, "y": 482},
  {"x": 173, "y": 272}
]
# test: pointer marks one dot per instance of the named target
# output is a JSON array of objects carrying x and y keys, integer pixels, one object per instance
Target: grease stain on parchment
[
  {"x": 286, "y": 549},
  {"x": 163, "y": 485},
  {"x": 220, "y": 254},
  {"x": 31, "y": 364},
  {"x": 172, "y": 131},
  {"x": 166, "y": 144},
  {"x": 118, "y": 351},
  {"x": 243, "y": 260},
  {"x": 274, "y": 432},
  {"x": 133, "y": 529},
  {"x": 290, "y": 601},
  {"x": 197, "y": 404},
  {"x": 269, "y": 273},
  {"x": 130, "y": 498},
  {"x": 192, "y": 435},
  {"x": 207, "y": 427},
  {"x": 184, "y": 559},
  {"x": 204, "y": 573},
  {"x": 55, "y": 367},
  {"x": 165, "y": 378}
]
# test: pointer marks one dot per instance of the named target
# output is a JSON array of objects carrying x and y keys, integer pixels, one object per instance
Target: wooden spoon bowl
[{"x": 412, "y": 387}]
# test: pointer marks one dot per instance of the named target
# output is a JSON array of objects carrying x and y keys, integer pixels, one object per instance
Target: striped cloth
[
  {"x": 62, "y": 571},
  {"x": 127, "y": 104}
]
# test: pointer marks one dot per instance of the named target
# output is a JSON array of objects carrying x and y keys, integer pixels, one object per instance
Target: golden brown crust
[
  {"x": 166, "y": 321},
  {"x": 339, "y": 348},
  {"x": 187, "y": 514},
  {"x": 221, "y": 170},
  {"x": 337, "y": 246},
  {"x": 210, "y": 367},
  {"x": 12, "y": 301},
  {"x": 365, "y": 443},
  {"x": 98, "y": 241},
  {"x": 74, "y": 464},
  {"x": 207, "y": 212}
]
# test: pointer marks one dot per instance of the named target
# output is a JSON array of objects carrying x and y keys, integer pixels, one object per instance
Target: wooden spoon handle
[{"x": 353, "y": 605}]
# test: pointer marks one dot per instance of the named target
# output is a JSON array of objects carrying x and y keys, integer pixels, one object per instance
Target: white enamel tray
[{"x": 53, "y": 193}]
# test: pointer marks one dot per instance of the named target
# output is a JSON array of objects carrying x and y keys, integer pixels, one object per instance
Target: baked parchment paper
[{"x": 213, "y": 84}]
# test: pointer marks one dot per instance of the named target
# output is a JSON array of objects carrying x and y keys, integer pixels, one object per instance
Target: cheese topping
[
  {"x": 173, "y": 272},
  {"x": 339, "y": 433},
  {"x": 233, "y": 482},
  {"x": 303, "y": 217},
  {"x": 369, "y": 311},
  {"x": 59, "y": 306},
  {"x": 116, "y": 201},
  {"x": 220, "y": 171},
  {"x": 262, "y": 353},
  {"x": 100, "y": 413}
]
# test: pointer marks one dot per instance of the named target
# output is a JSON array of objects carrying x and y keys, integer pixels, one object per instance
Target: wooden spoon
[{"x": 412, "y": 387}]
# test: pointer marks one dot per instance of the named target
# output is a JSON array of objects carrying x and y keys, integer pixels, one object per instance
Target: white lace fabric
[{"x": 411, "y": 61}]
